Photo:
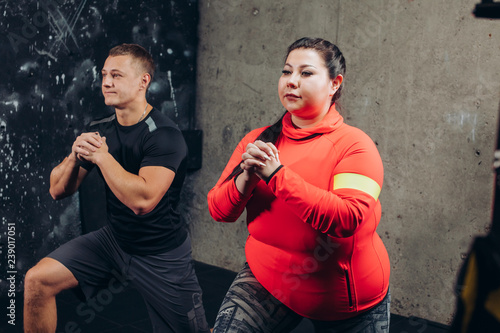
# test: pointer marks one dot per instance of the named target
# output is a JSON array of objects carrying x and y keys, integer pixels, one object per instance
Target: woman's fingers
[
  {"x": 253, "y": 151},
  {"x": 262, "y": 150},
  {"x": 276, "y": 152},
  {"x": 267, "y": 147},
  {"x": 260, "y": 158},
  {"x": 250, "y": 160}
]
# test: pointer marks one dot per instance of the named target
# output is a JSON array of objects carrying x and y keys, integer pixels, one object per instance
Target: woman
[{"x": 310, "y": 184}]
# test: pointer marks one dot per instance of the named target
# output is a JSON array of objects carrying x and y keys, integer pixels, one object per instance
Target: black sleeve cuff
[
  {"x": 274, "y": 172},
  {"x": 236, "y": 176}
]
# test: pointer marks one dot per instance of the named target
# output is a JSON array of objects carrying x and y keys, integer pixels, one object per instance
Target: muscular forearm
[
  {"x": 64, "y": 178},
  {"x": 68, "y": 175},
  {"x": 129, "y": 188}
]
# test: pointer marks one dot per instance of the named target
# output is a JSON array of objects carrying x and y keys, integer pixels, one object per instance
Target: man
[{"x": 141, "y": 156}]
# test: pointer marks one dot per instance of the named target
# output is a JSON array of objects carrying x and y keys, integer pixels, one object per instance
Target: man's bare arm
[
  {"x": 141, "y": 193},
  {"x": 68, "y": 175},
  {"x": 66, "y": 178}
]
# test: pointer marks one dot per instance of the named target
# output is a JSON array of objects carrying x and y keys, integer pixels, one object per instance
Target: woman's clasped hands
[{"x": 261, "y": 158}]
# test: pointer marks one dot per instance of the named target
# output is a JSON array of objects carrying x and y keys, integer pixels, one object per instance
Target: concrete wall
[{"x": 423, "y": 80}]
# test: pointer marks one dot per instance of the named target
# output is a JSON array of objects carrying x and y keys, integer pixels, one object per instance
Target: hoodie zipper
[{"x": 348, "y": 282}]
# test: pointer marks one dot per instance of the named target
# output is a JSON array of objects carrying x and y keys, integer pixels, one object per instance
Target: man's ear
[{"x": 145, "y": 80}]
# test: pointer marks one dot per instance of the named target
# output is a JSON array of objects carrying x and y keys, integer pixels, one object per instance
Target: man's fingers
[{"x": 92, "y": 139}]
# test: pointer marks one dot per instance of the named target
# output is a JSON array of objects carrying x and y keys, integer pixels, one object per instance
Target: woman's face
[{"x": 305, "y": 88}]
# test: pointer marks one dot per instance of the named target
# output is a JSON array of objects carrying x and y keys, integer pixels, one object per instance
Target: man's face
[{"x": 121, "y": 81}]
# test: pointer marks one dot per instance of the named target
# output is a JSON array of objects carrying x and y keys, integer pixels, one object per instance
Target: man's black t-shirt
[{"x": 154, "y": 141}]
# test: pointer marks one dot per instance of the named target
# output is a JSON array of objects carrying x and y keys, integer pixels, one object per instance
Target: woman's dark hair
[{"x": 334, "y": 62}]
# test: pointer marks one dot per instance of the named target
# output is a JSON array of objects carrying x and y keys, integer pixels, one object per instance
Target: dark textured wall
[{"x": 51, "y": 54}]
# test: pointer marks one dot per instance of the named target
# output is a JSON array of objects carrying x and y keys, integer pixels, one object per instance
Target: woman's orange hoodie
[{"x": 312, "y": 229}]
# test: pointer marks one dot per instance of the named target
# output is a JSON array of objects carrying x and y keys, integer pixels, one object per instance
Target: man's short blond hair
[{"x": 138, "y": 53}]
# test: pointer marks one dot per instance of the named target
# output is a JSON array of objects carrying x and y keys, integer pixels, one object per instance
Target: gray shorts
[{"x": 166, "y": 281}]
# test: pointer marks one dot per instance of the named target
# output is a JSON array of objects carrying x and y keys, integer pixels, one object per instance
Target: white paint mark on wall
[
  {"x": 95, "y": 73},
  {"x": 154, "y": 87},
  {"x": 62, "y": 78},
  {"x": 49, "y": 54},
  {"x": 30, "y": 65},
  {"x": 172, "y": 92},
  {"x": 15, "y": 103},
  {"x": 464, "y": 119},
  {"x": 3, "y": 129},
  {"x": 64, "y": 28}
]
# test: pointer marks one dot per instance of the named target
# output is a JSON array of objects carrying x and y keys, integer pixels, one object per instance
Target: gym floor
[{"x": 125, "y": 311}]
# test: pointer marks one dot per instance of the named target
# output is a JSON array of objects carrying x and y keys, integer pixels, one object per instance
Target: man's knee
[
  {"x": 37, "y": 283},
  {"x": 48, "y": 278}
]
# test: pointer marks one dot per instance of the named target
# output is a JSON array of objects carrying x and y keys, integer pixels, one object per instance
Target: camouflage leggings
[{"x": 249, "y": 307}]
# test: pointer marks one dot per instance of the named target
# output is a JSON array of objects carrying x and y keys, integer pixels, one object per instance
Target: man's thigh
[
  {"x": 92, "y": 259},
  {"x": 170, "y": 290}
]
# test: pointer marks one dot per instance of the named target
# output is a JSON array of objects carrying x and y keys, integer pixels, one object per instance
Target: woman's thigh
[
  {"x": 375, "y": 320},
  {"x": 249, "y": 307}
]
